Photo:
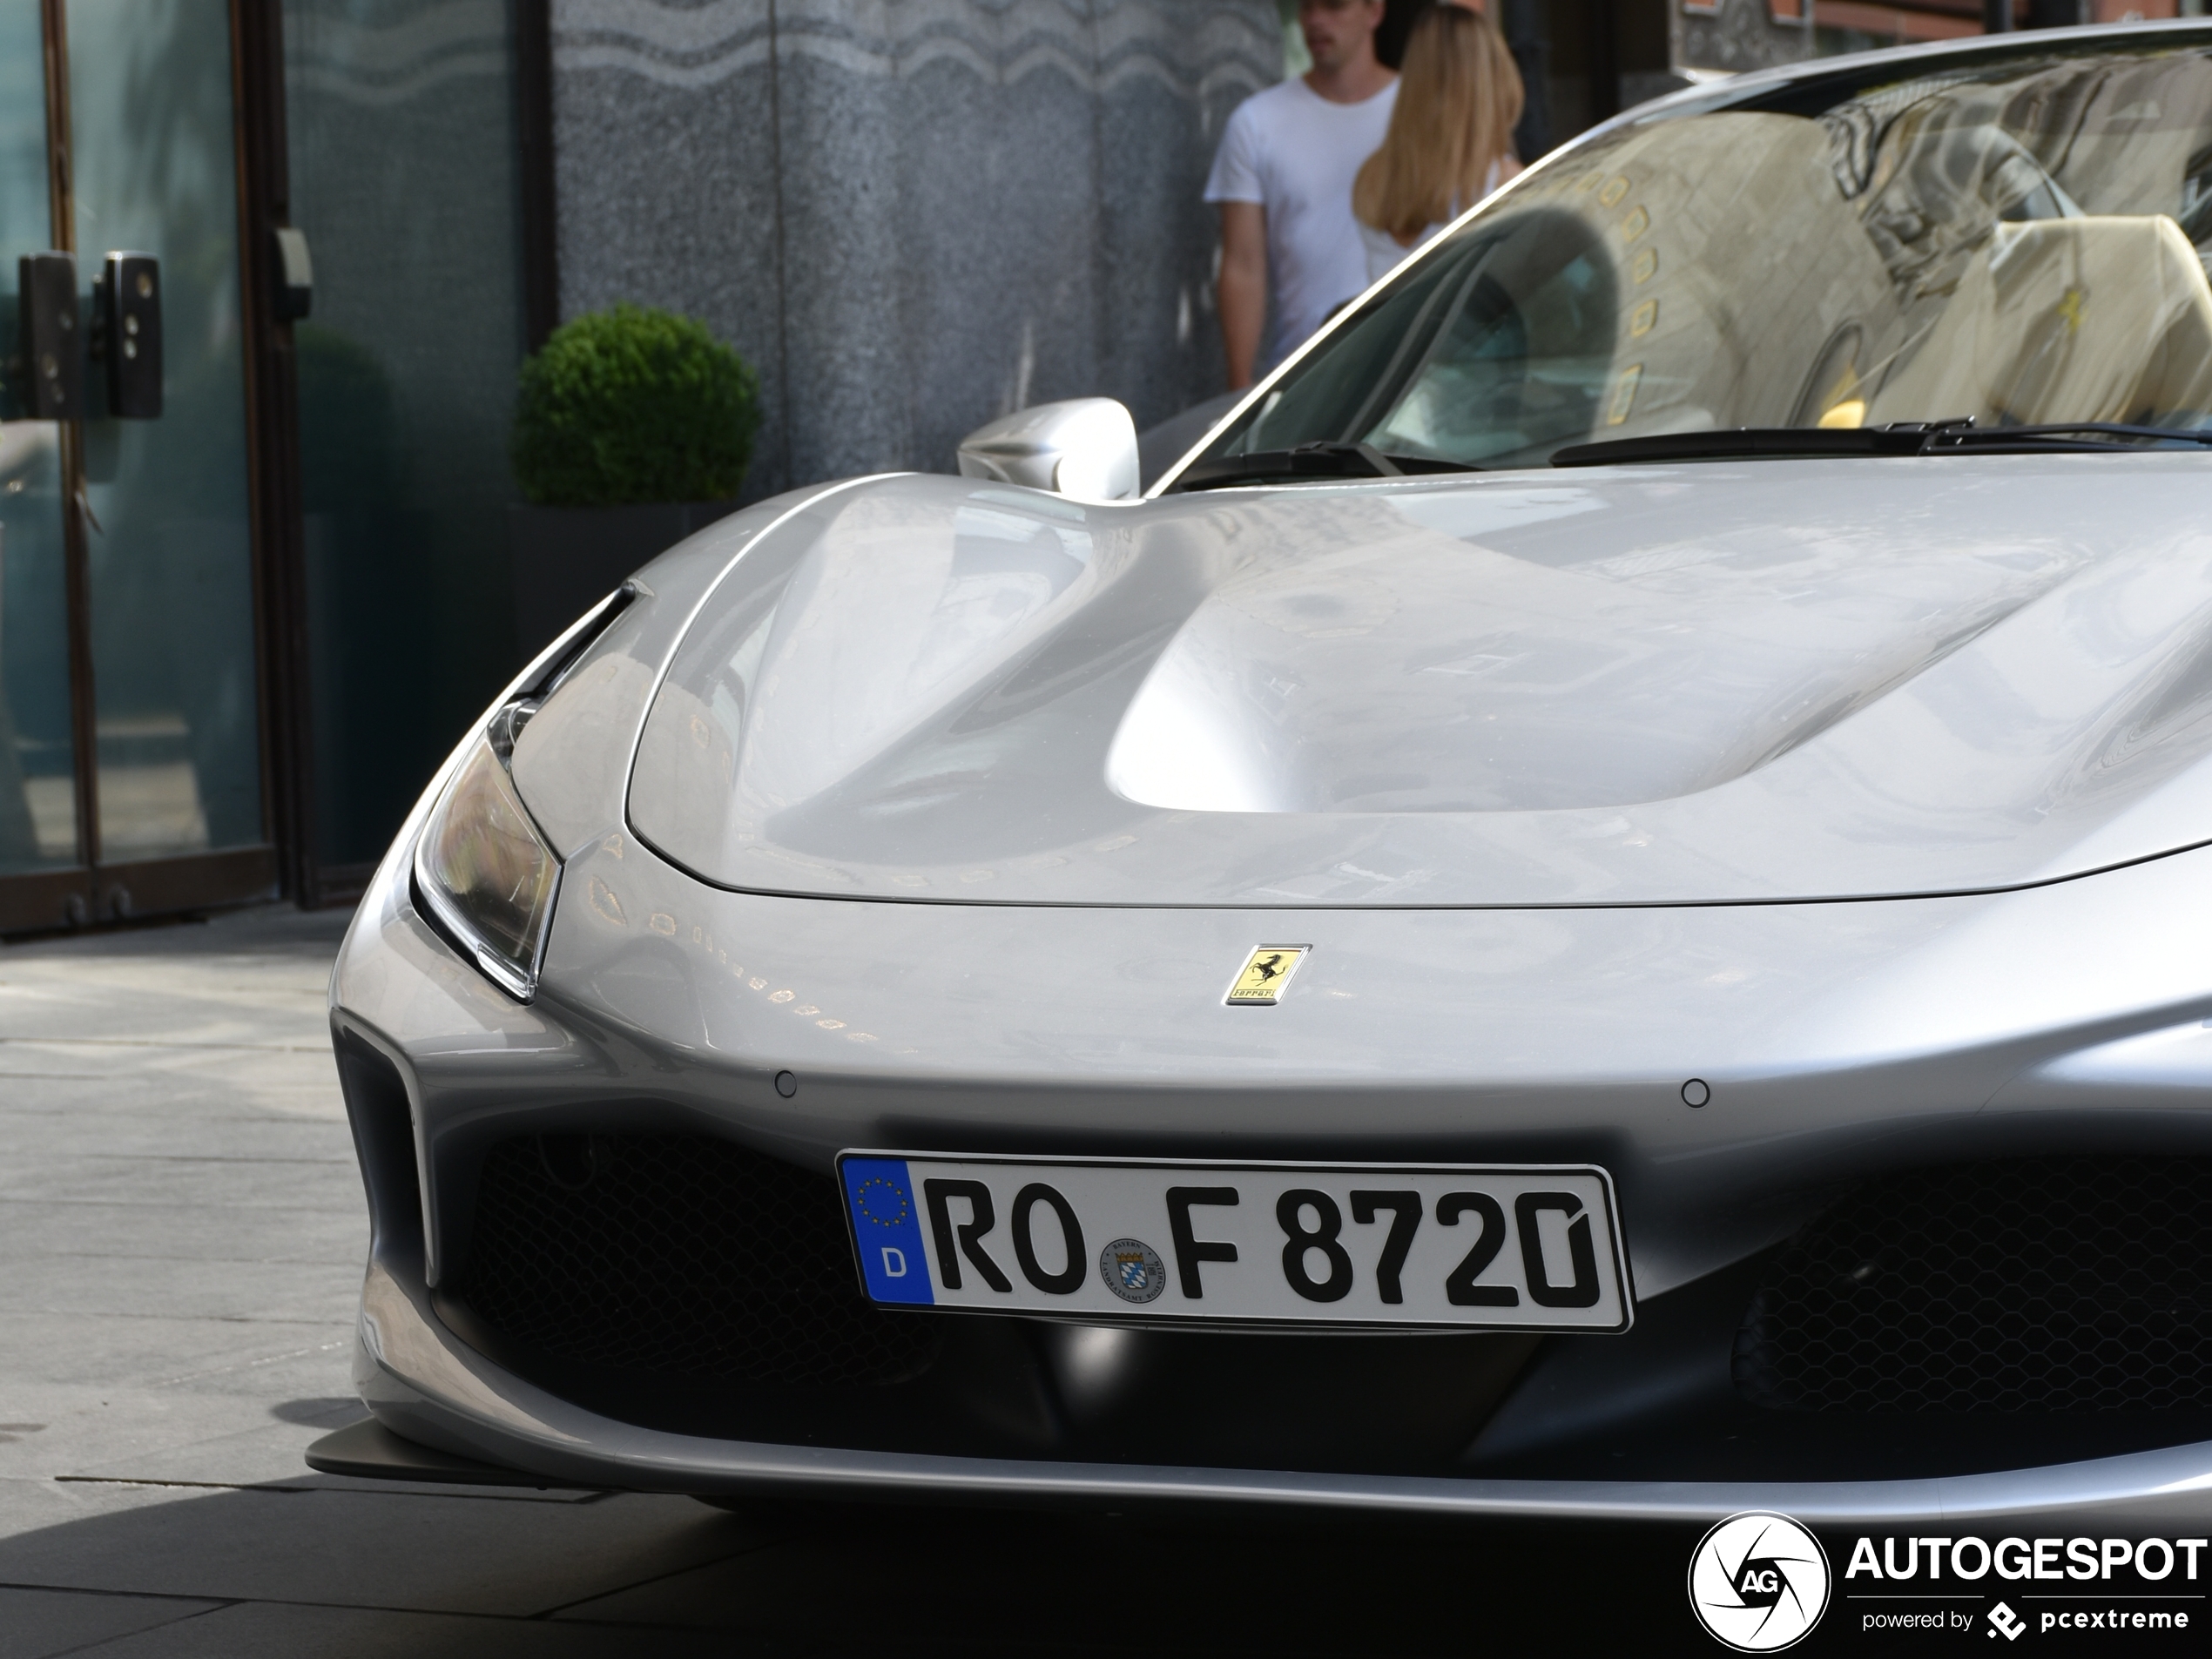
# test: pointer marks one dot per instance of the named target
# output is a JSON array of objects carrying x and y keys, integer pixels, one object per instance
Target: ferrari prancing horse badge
[{"x": 1265, "y": 976}]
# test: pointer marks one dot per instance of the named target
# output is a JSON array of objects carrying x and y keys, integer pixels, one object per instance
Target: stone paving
[{"x": 181, "y": 1237}]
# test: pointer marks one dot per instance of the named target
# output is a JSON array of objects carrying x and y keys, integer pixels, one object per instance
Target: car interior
[{"x": 2019, "y": 247}]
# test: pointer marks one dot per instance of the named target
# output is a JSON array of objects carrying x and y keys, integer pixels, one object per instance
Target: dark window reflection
[{"x": 401, "y": 125}]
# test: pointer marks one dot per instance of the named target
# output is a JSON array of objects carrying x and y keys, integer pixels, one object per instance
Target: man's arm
[{"x": 1241, "y": 295}]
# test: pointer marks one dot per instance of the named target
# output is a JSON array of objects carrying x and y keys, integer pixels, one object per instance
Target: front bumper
[
  {"x": 1839, "y": 1042},
  {"x": 423, "y": 1383}
]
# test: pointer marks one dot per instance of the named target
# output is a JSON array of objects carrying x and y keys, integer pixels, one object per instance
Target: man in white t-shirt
[{"x": 1283, "y": 178}]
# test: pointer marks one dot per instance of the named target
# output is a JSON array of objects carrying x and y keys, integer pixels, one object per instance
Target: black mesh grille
[
  {"x": 2030, "y": 1285},
  {"x": 682, "y": 1256}
]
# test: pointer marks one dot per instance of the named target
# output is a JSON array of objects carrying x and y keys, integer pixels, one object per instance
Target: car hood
[{"x": 1716, "y": 682}]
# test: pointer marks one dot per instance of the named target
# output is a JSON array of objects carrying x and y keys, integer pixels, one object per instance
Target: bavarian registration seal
[{"x": 1132, "y": 1269}]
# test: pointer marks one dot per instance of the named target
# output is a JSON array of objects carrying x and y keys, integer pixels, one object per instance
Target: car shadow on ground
[{"x": 339, "y": 1568}]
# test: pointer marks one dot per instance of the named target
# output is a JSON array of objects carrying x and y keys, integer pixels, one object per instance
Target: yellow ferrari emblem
[{"x": 1266, "y": 975}]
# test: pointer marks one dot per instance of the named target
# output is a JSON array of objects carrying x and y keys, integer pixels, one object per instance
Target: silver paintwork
[
  {"x": 1700, "y": 684},
  {"x": 1733, "y": 715},
  {"x": 1835, "y": 1039},
  {"x": 1085, "y": 446}
]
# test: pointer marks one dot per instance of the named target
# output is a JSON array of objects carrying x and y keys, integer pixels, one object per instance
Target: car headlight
[{"x": 484, "y": 871}]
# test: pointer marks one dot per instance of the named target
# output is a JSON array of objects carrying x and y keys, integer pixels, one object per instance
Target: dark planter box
[{"x": 566, "y": 559}]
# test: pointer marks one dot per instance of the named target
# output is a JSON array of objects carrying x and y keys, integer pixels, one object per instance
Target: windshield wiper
[
  {"x": 1311, "y": 461},
  {"x": 1963, "y": 435},
  {"x": 1898, "y": 438}
]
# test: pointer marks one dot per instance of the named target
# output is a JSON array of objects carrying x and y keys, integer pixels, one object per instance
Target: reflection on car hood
[{"x": 1696, "y": 684}]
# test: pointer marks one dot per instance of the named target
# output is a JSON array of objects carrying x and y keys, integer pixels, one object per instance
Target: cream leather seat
[{"x": 2089, "y": 319}]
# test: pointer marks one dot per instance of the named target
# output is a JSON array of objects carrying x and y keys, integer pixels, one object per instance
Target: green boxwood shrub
[{"x": 634, "y": 405}]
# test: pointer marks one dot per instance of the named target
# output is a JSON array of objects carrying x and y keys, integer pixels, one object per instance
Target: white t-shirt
[{"x": 1295, "y": 153}]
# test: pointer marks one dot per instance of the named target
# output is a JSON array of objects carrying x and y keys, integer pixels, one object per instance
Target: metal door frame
[{"x": 272, "y": 406}]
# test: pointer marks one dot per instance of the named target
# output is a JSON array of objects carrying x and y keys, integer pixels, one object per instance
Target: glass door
[
  {"x": 127, "y": 626},
  {"x": 169, "y": 549}
]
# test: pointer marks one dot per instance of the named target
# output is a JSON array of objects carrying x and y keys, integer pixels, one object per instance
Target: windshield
[{"x": 2021, "y": 242}]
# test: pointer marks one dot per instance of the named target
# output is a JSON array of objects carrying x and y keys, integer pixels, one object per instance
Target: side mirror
[{"x": 1085, "y": 447}]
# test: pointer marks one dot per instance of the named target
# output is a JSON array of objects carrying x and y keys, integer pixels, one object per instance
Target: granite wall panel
[
  {"x": 996, "y": 250},
  {"x": 1171, "y": 74},
  {"x": 912, "y": 215}
]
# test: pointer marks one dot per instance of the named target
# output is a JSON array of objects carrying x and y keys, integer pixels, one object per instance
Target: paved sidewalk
[{"x": 181, "y": 1237}]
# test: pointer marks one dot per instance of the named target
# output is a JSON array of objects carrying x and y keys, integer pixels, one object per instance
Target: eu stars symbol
[
  {"x": 886, "y": 1234},
  {"x": 882, "y": 1202}
]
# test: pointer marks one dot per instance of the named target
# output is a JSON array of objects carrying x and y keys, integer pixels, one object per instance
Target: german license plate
[{"x": 1505, "y": 1247}]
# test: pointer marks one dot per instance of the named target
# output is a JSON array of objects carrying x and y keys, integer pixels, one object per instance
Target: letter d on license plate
[{"x": 1500, "y": 1247}]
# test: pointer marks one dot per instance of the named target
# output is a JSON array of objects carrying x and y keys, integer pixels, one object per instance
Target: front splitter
[{"x": 428, "y": 1386}]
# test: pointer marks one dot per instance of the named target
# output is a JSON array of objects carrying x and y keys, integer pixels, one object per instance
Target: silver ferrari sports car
[{"x": 1600, "y": 904}]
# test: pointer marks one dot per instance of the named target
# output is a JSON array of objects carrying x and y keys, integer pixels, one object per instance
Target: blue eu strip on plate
[{"x": 887, "y": 1230}]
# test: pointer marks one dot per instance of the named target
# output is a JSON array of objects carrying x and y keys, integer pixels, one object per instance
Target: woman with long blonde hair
[{"x": 1450, "y": 142}]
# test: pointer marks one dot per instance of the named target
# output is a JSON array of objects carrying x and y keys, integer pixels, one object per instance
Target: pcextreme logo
[
  {"x": 1758, "y": 1582},
  {"x": 2100, "y": 1586}
]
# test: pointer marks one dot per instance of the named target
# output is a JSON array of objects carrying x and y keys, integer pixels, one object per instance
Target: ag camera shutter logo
[{"x": 1758, "y": 1582}]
